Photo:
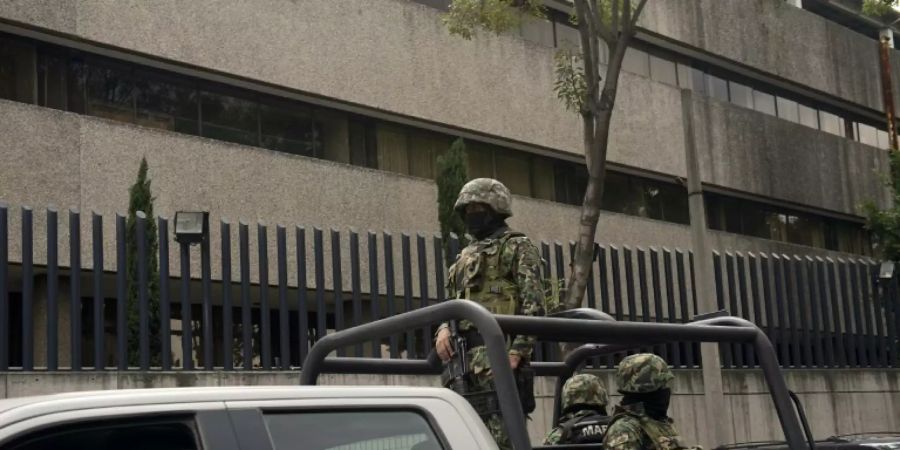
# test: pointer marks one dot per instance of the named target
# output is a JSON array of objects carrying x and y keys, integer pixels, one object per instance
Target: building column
[{"x": 719, "y": 428}]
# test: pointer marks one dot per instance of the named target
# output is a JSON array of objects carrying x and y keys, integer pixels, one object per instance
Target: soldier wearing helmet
[
  {"x": 641, "y": 420},
  {"x": 583, "y": 419},
  {"x": 499, "y": 269}
]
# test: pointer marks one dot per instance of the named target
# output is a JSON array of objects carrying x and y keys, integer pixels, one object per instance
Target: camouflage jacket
[
  {"x": 582, "y": 426},
  {"x": 503, "y": 273},
  {"x": 633, "y": 429}
]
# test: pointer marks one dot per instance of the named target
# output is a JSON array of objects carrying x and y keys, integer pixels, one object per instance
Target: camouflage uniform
[
  {"x": 502, "y": 273},
  {"x": 632, "y": 428},
  {"x": 584, "y": 420}
]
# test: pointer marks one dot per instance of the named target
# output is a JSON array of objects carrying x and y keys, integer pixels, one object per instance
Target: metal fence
[{"x": 819, "y": 312}]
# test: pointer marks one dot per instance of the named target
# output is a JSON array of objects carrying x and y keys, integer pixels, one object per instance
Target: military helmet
[
  {"x": 643, "y": 372},
  {"x": 584, "y": 389},
  {"x": 488, "y": 191}
]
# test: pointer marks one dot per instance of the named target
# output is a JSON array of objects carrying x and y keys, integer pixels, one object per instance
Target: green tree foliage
[
  {"x": 880, "y": 8},
  {"x": 885, "y": 224},
  {"x": 141, "y": 199},
  {"x": 452, "y": 174},
  {"x": 465, "y": 17}
]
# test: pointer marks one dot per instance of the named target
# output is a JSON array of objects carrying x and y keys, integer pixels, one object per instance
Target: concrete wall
[
  {"x": 836, "y": 401},
  {"x": 780, "y": 39},
  {"x": 751, "y": 151}
]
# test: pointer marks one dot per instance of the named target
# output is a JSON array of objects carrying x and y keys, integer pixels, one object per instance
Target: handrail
[{"x": 616, "y": 335}]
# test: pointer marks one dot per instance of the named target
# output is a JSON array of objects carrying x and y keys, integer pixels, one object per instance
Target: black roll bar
[{"x": 617, "y": 335}]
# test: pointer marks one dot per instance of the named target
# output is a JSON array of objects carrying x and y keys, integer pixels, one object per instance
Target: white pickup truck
[
  {"x": 366, "y": 418},
  {"x": 244, "y": 418}
]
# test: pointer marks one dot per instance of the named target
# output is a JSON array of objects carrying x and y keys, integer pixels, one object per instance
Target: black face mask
[
  {"x": 481, "y": 223},
  {"x": 656, "y": 403}
]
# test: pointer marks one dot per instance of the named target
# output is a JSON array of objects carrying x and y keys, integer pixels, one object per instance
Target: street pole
[{"x": 717, "y": 422}]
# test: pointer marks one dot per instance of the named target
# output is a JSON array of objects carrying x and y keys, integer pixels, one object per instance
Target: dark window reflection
[
  {"x": 288, "y": 128},
  {"x": 229, "y": 118},
  {"x": 109, "y": 91},
  {"x": 166, "y": 104}
]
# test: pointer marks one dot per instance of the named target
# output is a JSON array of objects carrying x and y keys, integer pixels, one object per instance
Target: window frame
[{"x": 242, "y": 425}]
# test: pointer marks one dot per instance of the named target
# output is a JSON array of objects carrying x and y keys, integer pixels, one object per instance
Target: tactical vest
[
  {"x": 662, "y": 434},
  {"x": 584, "y": 429},
  {"x": 481, "y": 275}
]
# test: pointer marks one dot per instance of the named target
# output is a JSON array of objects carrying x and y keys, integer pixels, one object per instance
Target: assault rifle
[{"x": 457, "y": 369}]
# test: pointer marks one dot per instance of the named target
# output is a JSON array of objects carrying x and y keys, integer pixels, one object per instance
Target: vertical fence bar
[
  {"x": 165, "y": 307},
  {"x": 827, "y": 334},
  {"x": 206, "y": 299},
  {"x": 407, "y": 292},
  {"x": 337, "y": 285},
  {"x": 675, "y": 347},
  {"x": 4, "y": 286},
  {"x": 591, "y": 294},
  {"x": 804, "y": 315},
  {"x": 642, "y": 284},
  {"x": 688, "y": 347},
  {"x": 539, "y": 353},
  {"x": 754, "y": 295},
  {"x": 423, "y": 288},
  {"x": 265, "y": 327},
  {"x": 768, "y": 298},
  {"x": 740, "y": 265},
  {"x": 52, "y": 290},
  {"x": 143, "y": 294},
  {"x": 779, "y": 305},
  {"x": 880, "y": 302},
  {"x": 560, "y": 260},
  {"x": 792, "y": 301},
  {"x": 75, "y": 285},
  {"x": 604, "y": 279},
  {"x": 835, "y": 299},
  {"x": 227, "y": 310},
  {"x": 629, "y": 284},
  {"x": 815, "y": 313},
  {"x": 284, "y": 327},
  {"x": 302, "y": 301},
  {"x": 846, "y": 289},
  {"x": 663, "y": 349},
  {"x": 866, "y": 306},
  {"x": 186, "y": 319},
  {"x": 893, "y": 319},
  {"x": 389, "y": 288},
  {"x": 321, "y": 307},
  {"x": 97, "y": 244},
  {"x": 355, "y": 287},
  {"x": 856, "y": 306},
  {"x": 121, "y": 298},
  {"x": 374, "y": 290},
  {"x": 187, "y": 324},
  {"x": 617, "y": 281},
  {"x": 453, "y": 246},
  {"x": 441, "y": 295},
  {"x": 720, "y": 301},
  {"x": 246, "y": 303},
  {"x": 737, "y": 354},
  {"x": 27, "y": 289}
]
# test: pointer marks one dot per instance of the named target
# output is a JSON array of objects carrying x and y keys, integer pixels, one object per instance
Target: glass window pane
[
  {"x": 830, "y": 123},
  {"x": 109, "y": 92},
  {"x": 740, "y": 95},
  {"x": 763, "y": 102},
  {"x": 723, "y": 214},
  {"x": 113, "y": 434},
  {"x": 230, "y": 118},
  {"x": 481, "y": 160},
  {"x": 424, "y": 148},
  {"x": 663, "y": 70},
  {"x": 332, "y": 134},
  {"x": 285, "y": 127},
  {"x": 568, "y": 37},
  {"x": 571, "y": 181},
  {"x": 615, "y": 192},
  {"x": 18, "y": 61},
  {"x": 809, "y": 116},
  {"x": 363, "y": 145},
  {"x": 716, "y": 87},
  {"x": 698, "y": 81},
  {"x": 52, "y": 81},
  {"x": 393, "y": 154},
  {"x": 684, "y": 76},
  {"x": 636, "y": 62},
  {"x": 543, "y": 178},
  {"x": 667, "y": 202},
  {"x": 806, "y": 230},
  {"x": 351, "y": 430},
  {"x": 514, "y": 170},
  {"x": 754, "y": 220},
  {"x": 163, "y": 103},
  {"x": 788, "y": 110},
  {"x": 883, "y": 139},
  {"x": 868, "y": 135}
]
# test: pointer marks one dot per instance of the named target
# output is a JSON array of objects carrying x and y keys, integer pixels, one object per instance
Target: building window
[
  {"x": 17, "y": 65},
  {"x": 788, "y": 109},
  {"x": 808, "y": 116},
  {"x": 636, "y": 61},
  {"x": 740, "y": 95},
  {"x": 663, "y": 70},
  {"x": 716, "y": 88},
  {"x": 350, "y": 430},
  {"x": 764, "y": 103},
  {"x": 831, "y": 123}
]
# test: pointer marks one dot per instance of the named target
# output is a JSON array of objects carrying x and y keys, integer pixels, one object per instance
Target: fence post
[
  {"x": 97, "y": 243},
  {"x": 75, "y": 284},
  {"x": 52, "y": 290},
  {"x": 165, "y": 307},
  {"x": 143, "y": 294},
  {"x": 227, "y": 310},
  {"x": 4, "y": 286},
  {"x": 121, "y": 295},
  {"x": 207, "y": 324},
  {"x": 27, "y": 290}
]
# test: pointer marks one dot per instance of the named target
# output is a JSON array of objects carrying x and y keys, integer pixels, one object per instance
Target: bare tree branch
[
  {"x": 626, "y": 16},
  {"x": 637, "y": 15},
  {"x": 614, "y": 18}
]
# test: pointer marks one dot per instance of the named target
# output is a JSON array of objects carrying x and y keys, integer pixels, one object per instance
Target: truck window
[
  {"x": 351, "y": 430},
  {"x": 112, "y": 435}
]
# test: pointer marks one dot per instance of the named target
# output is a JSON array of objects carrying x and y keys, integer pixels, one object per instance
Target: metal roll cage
[{"x": 582, "y": 325}]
